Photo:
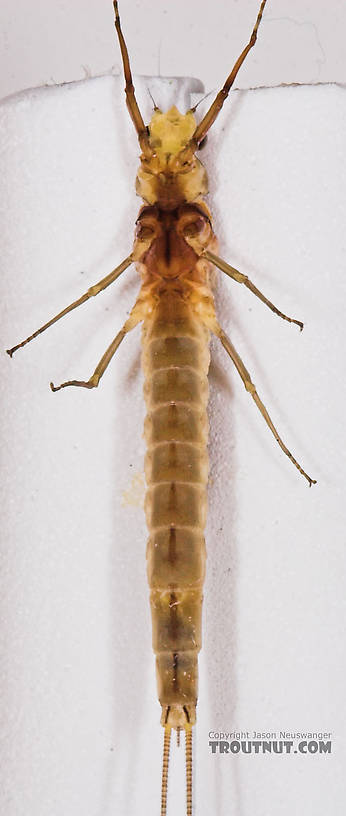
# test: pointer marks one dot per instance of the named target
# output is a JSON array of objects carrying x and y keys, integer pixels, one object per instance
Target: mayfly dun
[{"x": 175, "y": 250}]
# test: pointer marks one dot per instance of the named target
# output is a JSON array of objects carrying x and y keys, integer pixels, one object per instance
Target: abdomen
[{"x": 175, "y": 363}]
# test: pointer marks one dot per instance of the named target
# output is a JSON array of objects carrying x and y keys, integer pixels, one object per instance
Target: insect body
[{"x": 175, "y": 249}]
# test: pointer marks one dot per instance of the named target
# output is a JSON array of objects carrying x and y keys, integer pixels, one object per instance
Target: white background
[
  {"x": 45, "y": 41},
  {"x": 80, "y": 731}
]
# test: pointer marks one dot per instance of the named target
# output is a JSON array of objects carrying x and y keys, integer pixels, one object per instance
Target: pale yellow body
[{"x": 176, "y": 306}]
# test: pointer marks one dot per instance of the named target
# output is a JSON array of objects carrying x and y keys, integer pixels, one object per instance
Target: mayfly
[{"x": 175, "y": 250}]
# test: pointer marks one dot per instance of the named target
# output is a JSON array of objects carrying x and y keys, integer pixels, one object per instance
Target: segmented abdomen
[{"x": 175, "y": 362}]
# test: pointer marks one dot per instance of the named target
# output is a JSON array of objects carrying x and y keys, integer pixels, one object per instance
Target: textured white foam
[{"x": 80, "y": 717}]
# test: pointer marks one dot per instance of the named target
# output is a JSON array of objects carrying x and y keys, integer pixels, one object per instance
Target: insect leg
[
  {"x": 240, "y": 278},
  {"x": 94, "y": 290},
  {"x": 135, "y": 317},
  {"x": 131, "y": 101},
  {"x": 249, "y": 385},
  {"x": 100, "y": 368}
]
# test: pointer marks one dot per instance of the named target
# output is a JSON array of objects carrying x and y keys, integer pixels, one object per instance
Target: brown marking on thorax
[{"x": 169, "y": 244}]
